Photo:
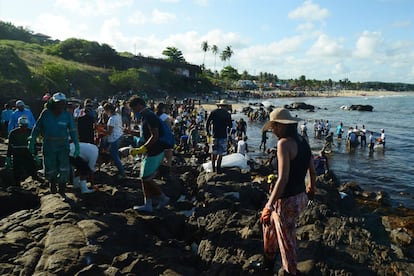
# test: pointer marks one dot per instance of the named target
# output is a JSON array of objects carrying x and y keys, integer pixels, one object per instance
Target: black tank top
[{"x": 298, "y": 169}]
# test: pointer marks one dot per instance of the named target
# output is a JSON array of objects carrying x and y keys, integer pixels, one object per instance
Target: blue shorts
[
  {"x": 220, "y": 146},
  {"x": 150, "y": 165}
]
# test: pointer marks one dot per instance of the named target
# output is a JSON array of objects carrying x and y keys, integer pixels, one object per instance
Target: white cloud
[
  {"x": 324, "y": 46},
  {"x": 309, "y": 11},
  {"x": 156, "y": 17},
  {"x": 159, "y": 17},
  {"x": 92, "y": 8},
  {"x": 137, "y": 18},
  {"x": 110, "y": 34},
  {"x": 308, "y": 26},
  {"x": 170, "y": 1},
  {"x": 368, "y": 44},
  {"x": 340, "y": 69},
  {"x": 58, "y": 27}
]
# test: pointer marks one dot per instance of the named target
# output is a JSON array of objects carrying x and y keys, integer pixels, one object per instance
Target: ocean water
[{"x": 391, "y": 170}]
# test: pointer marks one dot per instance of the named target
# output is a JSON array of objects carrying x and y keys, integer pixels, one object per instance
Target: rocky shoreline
[{"x": 210, "y": 228}]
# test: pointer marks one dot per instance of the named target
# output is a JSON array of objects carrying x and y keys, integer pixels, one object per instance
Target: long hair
[{"x": 291, "y": 130}]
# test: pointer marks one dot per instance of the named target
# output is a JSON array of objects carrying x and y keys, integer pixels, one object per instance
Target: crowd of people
[
  {"x": 75, "y": 136},
  {"x": 354, "y": 137}
]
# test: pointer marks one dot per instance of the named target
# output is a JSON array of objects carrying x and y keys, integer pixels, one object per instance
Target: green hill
[
  {"x": 27, "y": 71},
  {"x": 32, "y": 64}
]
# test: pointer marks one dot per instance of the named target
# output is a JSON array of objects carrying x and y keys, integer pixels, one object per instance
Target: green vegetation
[
  {"x": 173, "y": 55},
  {"x": 32, "y": 64}
]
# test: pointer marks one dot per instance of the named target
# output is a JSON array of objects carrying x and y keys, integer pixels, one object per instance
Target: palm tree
[
  {"x": 215, "y": 50},
  {"x": 223, "y": 57},
  {"x": 205, "y": 47},
  {"x": 228, "y": 52},
  {"x": 173, "y": 55}
]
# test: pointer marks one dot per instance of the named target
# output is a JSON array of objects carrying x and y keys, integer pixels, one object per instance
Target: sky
[{"x": 359, "y": 40}]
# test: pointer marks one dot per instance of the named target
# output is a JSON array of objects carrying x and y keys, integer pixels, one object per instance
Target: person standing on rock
[
  {"x": 220, "y": 118},
  {"x": 168, "y": 152},
  {"x": 20, "y": 111},
  {"x": 5, "y": 118},
  {"x": 114, "y": 134},
  {"x": 18, "y": 156},
  {"x": 288, "y": 198},
  {"x": 55, "y": 124},
  {"x": 153, "y": 151}
]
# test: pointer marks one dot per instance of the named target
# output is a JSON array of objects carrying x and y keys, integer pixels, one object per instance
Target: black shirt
[
  {"x": 85, "y": 129},
  {"x": 221, "y": 120},
  {"x": 151, "y": 120},
  {"x": 298, "y": 168}
]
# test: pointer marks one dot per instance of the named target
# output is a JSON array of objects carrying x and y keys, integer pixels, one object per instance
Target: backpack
[{"x": 166, "y": 136}]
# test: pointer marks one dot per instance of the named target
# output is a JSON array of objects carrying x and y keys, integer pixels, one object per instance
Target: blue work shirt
[{"x": 13, "y": 122}]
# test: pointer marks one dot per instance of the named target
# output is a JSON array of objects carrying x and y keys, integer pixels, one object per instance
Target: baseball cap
[{"x": 59, "y": 97}]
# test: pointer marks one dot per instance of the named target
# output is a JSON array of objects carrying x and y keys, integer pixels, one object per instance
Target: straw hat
[{"x": 280, "y": 115}]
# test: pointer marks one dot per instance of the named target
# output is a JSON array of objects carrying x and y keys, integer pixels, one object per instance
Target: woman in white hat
[{"x": 288, "y": 198}]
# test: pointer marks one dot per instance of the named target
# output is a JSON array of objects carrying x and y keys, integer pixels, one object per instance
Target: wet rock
[
  {"x": 400, "y": 237},
  {"x": 300, "y": 105},
  {"x": 361, "y": 107},
  {"x": 383, "y": 198},
  {"x": 100, "y": 234}
]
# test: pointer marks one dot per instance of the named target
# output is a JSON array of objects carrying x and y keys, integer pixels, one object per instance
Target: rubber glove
[
  {"x": 8, "y": 163},
  {"x": 136, "y": 151},
  {"x": 266, "y": 214},
  {"x": 208, "y": 138},
  {"x": 77, "y": 151},
  {"x": 31, "y": 146}
]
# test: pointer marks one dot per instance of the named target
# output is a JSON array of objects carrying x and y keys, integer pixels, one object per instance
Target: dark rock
[
  {"x": 401, "y": 237},
  {"x": 90, "y": 270},
  {"x": 361, "y": 107},
  {"x": 383, "y": 198},
  {"x": 16, "y": 200},
  {"x": 100, "y": 234},
  {"x": 300, "y": 105}
]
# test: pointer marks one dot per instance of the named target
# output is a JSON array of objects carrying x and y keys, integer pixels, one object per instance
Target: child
[
  {"x": 321, "y": 163},
  {"x": 263, "y": 142},
  {"x": 242, "y": 145}
]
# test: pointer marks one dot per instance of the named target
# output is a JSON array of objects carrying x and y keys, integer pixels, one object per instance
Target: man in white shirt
[
  {"x": 242, "y": 145},
  {"x": 84, "y": 165},
  {"x": 382, "y": 138}
]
